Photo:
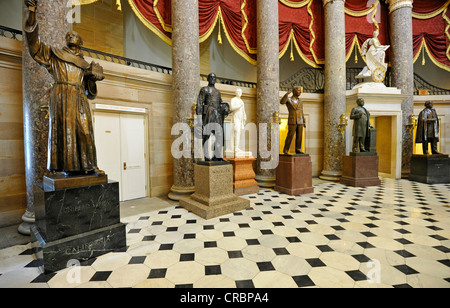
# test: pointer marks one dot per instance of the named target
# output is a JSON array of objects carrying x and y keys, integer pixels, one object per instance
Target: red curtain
[
  {"x": 431, "y": 24},
  {"x": 301, "y": 26},
  {"x": 361, "y": 19}
]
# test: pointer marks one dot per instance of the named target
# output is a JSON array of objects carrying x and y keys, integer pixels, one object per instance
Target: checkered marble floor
[{"x": 393, "y": 235}]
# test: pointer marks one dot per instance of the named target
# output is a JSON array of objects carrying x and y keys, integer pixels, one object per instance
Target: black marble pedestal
[
  {"x": 430, "y": 169},
  {"x": 76, "y": 224}
]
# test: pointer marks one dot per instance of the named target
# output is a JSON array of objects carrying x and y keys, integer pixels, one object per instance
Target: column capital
[
  {"x": 325, "y": 2},
  {"x": 398, "y": 4}
]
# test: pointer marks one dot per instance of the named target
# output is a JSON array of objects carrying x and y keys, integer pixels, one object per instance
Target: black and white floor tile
[{"x": 393, "y": 235}]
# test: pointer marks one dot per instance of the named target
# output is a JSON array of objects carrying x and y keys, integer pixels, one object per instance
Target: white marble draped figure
[
  {"x": 374, "y": 54},
  {"x": 238, "y": 125}
]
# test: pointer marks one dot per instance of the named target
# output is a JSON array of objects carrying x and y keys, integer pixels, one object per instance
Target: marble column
[
  {"x": 186, "y": 84},
  {"x": 36, "y": 84},
  {"x": 268, "y": 100},
  {"x": 335, "y": 97},
  {"x": 402, "y": 71}
]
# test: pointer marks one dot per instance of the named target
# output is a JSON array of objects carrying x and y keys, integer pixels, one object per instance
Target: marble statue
[
  {"x": 296, "y": 119},
  {"x": 211, "y": 112},
  {"x": 71, "y": 146},
  {"x": 374, "y": 54},
  {"x": 238, "y": 125},
  {"x": 428, "y": 128},
  {"x": 361, "y": 126}
]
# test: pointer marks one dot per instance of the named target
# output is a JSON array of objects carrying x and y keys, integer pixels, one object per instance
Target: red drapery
[
  {"x": 301, "y": 26},
  {"x": 431, "y": 31}
]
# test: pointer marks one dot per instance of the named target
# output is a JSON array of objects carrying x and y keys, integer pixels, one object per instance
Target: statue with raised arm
[
  {"x": 374, "y": 53},
  {"x": 71, "y": 147},
  {"x": 296, "y": 119},
  {"x": 212, "y": 111}
]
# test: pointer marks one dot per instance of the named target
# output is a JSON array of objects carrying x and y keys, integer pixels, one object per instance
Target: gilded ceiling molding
[
  {"x": 325, "y": 2},
  {"x": 398, "y": 4}
]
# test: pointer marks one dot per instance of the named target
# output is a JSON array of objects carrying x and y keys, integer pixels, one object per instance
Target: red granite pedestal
[
  {"x": 294, "y": 175},
  {"x": 243, "y": 176},
  {"x": 360, "y": 170}
]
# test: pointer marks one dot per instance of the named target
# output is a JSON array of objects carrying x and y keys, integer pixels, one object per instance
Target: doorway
[{"x": 121, "y": 151}]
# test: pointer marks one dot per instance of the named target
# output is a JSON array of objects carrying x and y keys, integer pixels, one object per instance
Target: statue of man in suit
[
  {"x": 361, "y": 126},
  {"x": 296, "y": 120}
]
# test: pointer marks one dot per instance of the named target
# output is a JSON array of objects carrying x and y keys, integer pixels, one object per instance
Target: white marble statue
[
  {"x": 374, "y": 54},
  {"x": 237, "y": 126}
]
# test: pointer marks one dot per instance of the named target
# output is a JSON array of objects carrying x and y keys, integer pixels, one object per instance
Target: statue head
[
  {"x": 238, "y": 92},
  {"x": 297, "y": 90},
  {"x": 376, "y": 32},
  {"x": 211, "y": 79},
  {"x": 73, "y": 39},
  {"x": 429, "y": 104},
  {"x": 360, "y": 102}
]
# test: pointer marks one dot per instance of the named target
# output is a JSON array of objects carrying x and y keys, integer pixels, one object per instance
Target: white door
[
  {"x": 120, "y": 143},
  {"x": 133, "y": 156}
]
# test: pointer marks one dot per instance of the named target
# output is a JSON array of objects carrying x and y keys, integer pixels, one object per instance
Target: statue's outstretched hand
[{"x": 31, "y": 4}]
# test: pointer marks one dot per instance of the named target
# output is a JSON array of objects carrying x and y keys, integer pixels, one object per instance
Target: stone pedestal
[
  {"x": 360, "y": 170},
  {"x": 294, "y": 175},
  {"x": 213, "y": 195},
  {"x": 77, "y": 223},
  {"x": 430, "y": 169},
  {"x": 243, "y": 176}
]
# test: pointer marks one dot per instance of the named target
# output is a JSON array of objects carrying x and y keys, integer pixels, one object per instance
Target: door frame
[{"x": 142, "y": 111}]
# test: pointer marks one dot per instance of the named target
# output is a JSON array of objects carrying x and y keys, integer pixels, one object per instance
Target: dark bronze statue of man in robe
[
  {"x": 212, "y": 111},
  {"x": 428, "y": 128},
  {"x": 71, "y": 147}
]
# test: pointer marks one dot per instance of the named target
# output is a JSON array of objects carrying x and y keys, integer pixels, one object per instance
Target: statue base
[
  {"x": 360, "y": 170},
  {"x": 61, "y": 181},
  {"x": 294, "y": 175},
  {"x": 76, "y": 224},
  {"x": 213, "y": 195},
  {"x": 243, "y": 176},
  {"x": 430, "y": 169}
]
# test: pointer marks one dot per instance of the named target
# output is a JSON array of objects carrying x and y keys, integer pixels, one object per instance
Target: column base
[
  {"x": 28, "y": 220},
  {"x": 177, "y": 192},
  {"x": 334, "y": 176},
  {"x": 266, "y": 181}
]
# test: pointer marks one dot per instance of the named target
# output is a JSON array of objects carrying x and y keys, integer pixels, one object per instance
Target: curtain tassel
[
  {"x": 423, "y": 56},
  {"x": 292, "y": 50},
  {"x": 119, "y": 5},
  {"x": 356, "y": 54},
  {"x": 219, "y": 36}
]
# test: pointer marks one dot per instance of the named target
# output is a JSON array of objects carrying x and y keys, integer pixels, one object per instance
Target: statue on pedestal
[
  {"x": 238, "y": 125},
  {"x": 375, "y": 55},
  {"x": 428, "y": 128},
  {"x": 296, "y": 120},
  {"x": 71, "y": 147},
  {"x": 361, "y": 126},
  {"x": 212, "y": 111}
]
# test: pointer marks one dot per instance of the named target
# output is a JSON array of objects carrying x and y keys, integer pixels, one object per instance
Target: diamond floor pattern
[{"x": 393, "y": 235}]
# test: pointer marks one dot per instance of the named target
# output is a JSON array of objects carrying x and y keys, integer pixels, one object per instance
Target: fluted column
[
  {"x": 267, "y": 99},
  {"x": 334, "y": 98},
  {"x": 186, "y": 83},
  {"x": 36, "y": 84},
  {"x": 402, "y": 72}
]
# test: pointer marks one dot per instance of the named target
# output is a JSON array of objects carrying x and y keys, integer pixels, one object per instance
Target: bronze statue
[
  {"x": 296, "y": 120},
  {"x": 71, "y": 147},
  {"x": 212, "y": 111},
  {"x": 361, "y": 126},
  {"x": 428, "y": 128}
]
